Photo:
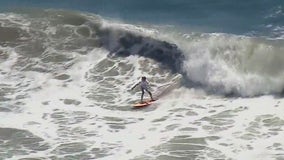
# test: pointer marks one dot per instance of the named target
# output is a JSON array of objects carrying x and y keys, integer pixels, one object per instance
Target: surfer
[{"x": 144, "y": 85}]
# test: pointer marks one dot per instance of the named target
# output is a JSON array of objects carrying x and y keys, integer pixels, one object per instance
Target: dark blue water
[{"x": 255, "y": 17}]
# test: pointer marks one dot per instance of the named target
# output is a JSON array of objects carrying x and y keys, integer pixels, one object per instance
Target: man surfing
[{"x": 144, "y": 85}]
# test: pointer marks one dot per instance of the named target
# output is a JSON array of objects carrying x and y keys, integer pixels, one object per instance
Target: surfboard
[{"x": 144, "y": 104}]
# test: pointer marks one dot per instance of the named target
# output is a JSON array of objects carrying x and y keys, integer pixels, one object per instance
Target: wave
[
  {"x": 237, "y": 65},
  {"x": 219, "y": 63}
]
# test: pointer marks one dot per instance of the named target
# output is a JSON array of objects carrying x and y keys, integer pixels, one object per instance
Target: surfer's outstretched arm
[{"x": 135, "y": 85}]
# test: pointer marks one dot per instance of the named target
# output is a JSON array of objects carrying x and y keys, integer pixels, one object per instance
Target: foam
[
  {"x": 248, "y": 109},
  {"x": 51, "y": 91}
]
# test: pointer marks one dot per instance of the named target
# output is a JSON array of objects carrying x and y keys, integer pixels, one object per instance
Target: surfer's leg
[
  {"x": 150, "y": 94},
  {"x": 142, "y": 95}
]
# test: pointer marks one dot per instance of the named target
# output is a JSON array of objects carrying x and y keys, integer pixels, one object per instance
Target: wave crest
[{"x": 230, "y": 64}]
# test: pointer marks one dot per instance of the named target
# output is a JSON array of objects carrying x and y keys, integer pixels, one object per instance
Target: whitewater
[{"x": 65, "y": 80}]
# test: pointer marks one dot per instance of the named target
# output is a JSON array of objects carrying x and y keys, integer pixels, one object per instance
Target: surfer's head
[{"x": 143, "y": 78}]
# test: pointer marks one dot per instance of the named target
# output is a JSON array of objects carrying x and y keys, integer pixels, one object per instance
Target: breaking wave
[{"x": 219, "y": 63}]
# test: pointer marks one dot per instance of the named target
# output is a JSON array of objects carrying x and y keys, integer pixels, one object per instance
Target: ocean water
[{"x": 216, "y": 68}]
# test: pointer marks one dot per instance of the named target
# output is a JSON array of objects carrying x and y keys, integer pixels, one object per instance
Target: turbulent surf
[{"x": 65, "y": 78}]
